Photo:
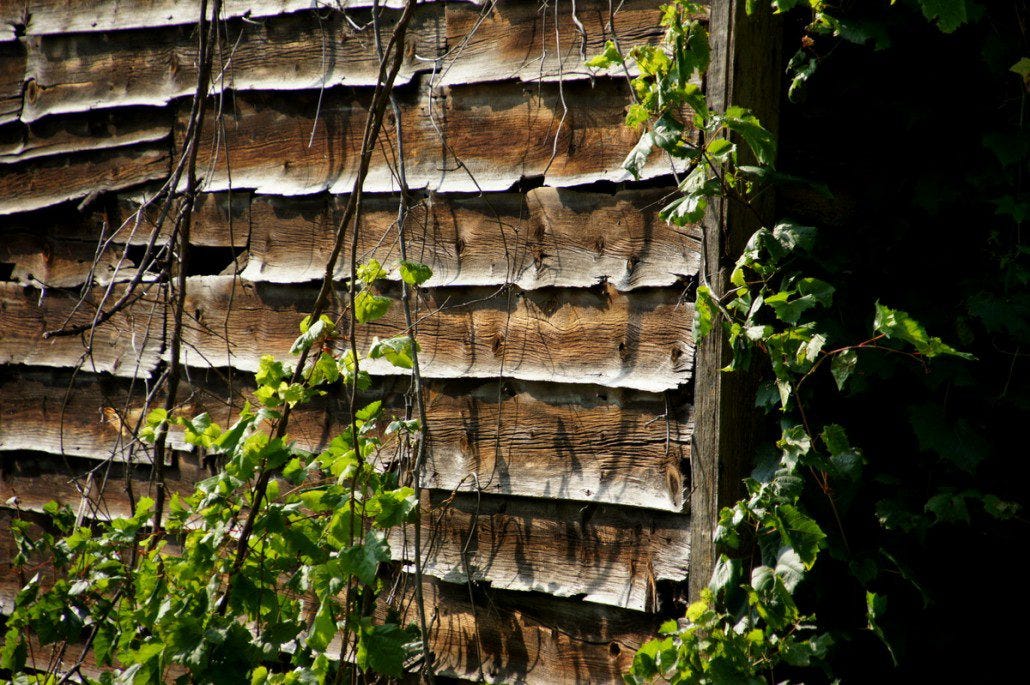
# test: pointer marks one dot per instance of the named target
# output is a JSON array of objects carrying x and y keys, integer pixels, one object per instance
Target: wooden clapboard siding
[
  {"x": 12, "y": 72},
  {"x": 565, "y": 442},
  {"x": 556, "y": 348},
  {"x": 76, "y": 16},
  {"x": 510, "y": 438},
  {"x": 611, "y": 555},
  {"x": 128, "y": 345},
  {"x": 545, "y": 238},
  {"x": 515, "y": 637},
  {"x": 84, "y": 71},
  {"x": 523, "y": 40},
  {"x": 89, "y": 131},
  {"x": 636, "y": 340},
  {"x": 452, "y": 138},
  {"x": 48, "y": 181}
]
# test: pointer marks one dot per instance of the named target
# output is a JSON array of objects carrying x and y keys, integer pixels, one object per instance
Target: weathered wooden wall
[{"x": 555, "y": 330}]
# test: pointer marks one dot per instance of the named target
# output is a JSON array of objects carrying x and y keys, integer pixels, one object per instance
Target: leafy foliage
[
  {"x": 253, "y": 575},
  {"x": 781, "y": 317}
]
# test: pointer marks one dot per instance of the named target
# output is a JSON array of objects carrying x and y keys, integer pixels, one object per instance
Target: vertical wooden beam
[{"x": 745, "y": 70}]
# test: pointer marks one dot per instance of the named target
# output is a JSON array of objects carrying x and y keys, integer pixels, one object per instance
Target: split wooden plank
[
  {"x": 12, "y": 79},
  {"x": 578, "y": 443},
  {"x": 547, "y": 238},
  {"x": 452, "y": 139},
  {"x": 81, "y": 16},
  {"x": 127, "y": 345},
  {"x": 531, "y": 42},
  {"x": 638, "y": 340},
  {"x": 519, "y": 638},
  {"x": 96, "y": 490},
  {"x": 89, "y": 132},
  {"x": 48, "y": 181},
  {"x": 605, "y": 554},
  {"x": 304, "y": 50},
  {"x": 12, "y": 19},
  {"x": 560, "y": 442}
]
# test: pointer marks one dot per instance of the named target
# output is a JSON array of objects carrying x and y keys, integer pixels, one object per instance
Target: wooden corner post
[{"x": 745, "y": 70}]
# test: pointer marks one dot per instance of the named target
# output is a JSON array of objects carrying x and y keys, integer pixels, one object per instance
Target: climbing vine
[
  {"x": 779, "y": 316},
  {"x": 177, "y": 602}
]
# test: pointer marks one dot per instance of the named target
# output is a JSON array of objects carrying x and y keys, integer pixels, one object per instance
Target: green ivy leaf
[
  {"x": 383, "y": 648},
  {"x": 323, "y": 628},
  {"x": 637, "y": 157},
  {"x": 414, "y": 273},
  {"x": 842, "y": 365},
  {"x": 761, "y": 142},
  {"x": 898, "y": 325},
  {"x": 800, "y": 532},
  {"x": 610, "y": 56},
  {"x": 369, "y": 307},
  {"x": 949, "y": 14},
  {"x": 370, "y": 272},
  {"x": 398, "y": 351}
]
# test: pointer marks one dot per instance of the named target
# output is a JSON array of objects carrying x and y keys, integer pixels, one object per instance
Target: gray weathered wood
[
  {"x": 84, "y": 71},
  {"x": 610, "y": 555},
  {"x": 12, "y": 76},
  {"x": 43, "y": 182},
  {"x": 638, "y": 340},
  {"x": 461, "y": 139},
  {"x": 744, "y": 71},
  {"x": 532, "y": 42}
]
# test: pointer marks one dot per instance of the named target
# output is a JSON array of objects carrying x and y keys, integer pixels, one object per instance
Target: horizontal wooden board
[
  {"x": 89, "y": 131},
  {"x": 452, "y": 139},
  {"x": 561, "y": 442},
  {"x": 610, "y": 555},
  {"x": 73, "y": 16},
  {"x": 547, "y": 238},
  {"x": 532, "y": 42},
  {"x": 638, "y": 340},
  {"x": 12, "y": 77},
  {"x": 127, "y": 345},
  {"x": 513, "y": 637},
  {"x": 43, "y": 182},
  {"x": 84, "y": 71},
  {"x": 580, "y": 443}
]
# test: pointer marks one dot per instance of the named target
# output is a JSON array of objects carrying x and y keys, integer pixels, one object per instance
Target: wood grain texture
[
  {"x": 577, "y": 443},
  {"x": 12, "y": 77},
  {"x": 89, "y": 131},
  {"x": 459, "y": 139},
  {"x": 513, "y": 637},
  {"x": 581, "y": 443},
  {"x": 78, "y": 16},
  {"x": 43, "y": 182},
  {"x": 532, "y": 42},
  {"x": 638, "y": 340},
  {"x": 304, "y": 50},
  {"x": 127, "y": 345},
  {"x": 746, "y": 47},
  {"x": 547, "y": 238},
  {"x": 605, "y": 554}
]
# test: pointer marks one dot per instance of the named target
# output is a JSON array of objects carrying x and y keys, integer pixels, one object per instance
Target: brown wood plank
[
  {"x": 578, "y": 443},
  {"x": 638, "y": 340},
  {"x": 12, "y": 77},
  {"x": 512, "y": 637},
  {"x": 219, "y": 219},
  {"x": 572, "y": 443},
  {"x": 48, "y": 181},
  {"x": 127, "y": 345},
  {"x": 84, "y": 71},
  {"x": 529, "y": 42},
  {"x": 546, "y": 238},
  {"x": 12, "y": 19},
  {"x": 605, "y": 554},
  {"x": 268, "y": 137},
  {"x": 89, "y": 131},
  {"x": 74, "y": 16},
  {"x": 746, "y": 47}
]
